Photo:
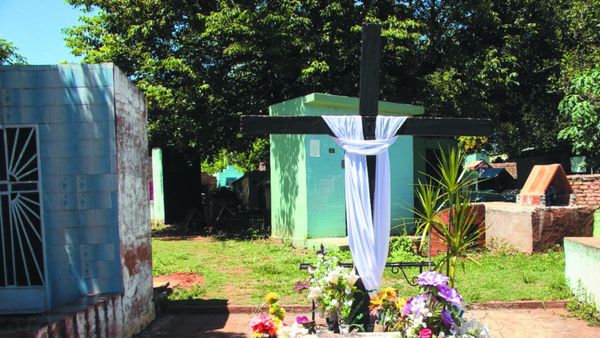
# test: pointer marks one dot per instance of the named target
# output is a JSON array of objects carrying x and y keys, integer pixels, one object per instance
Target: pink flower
[
  {"x": 263, "y": 324},
  {"x": 425, "y": 333},
  {"x": 302, "y": 319}
]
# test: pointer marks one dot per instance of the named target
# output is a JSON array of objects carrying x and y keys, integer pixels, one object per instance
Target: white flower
[
  {"x": 473, "y": 328},
  {"x": 352, "y": 278},
  {"x": 315, "y": 293},
  {"x": 348, "y": 290},
  {"x": 333, "y": 277},
  {"x": 348, "y": 302},
  {"x": 293, "y": 331},
  {"x": 334, "y": 303}
]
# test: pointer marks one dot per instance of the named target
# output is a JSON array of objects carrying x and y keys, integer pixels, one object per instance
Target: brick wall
[
  {"x": 437, "y": 244},
  {"x": 586, "y": 188}
]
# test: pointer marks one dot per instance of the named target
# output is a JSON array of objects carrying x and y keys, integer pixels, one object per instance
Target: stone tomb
[
  {"x": 544, "y": 214},
  {"x": 75, "y": 245}
]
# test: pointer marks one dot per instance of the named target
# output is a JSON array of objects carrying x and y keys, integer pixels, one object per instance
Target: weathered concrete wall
[
  {"x": 586, "y": 188},
  {"x": 91, "y": 123},
  {"x": 551, "y": 225},
  {"x": 73, "y": 108},
  {"x": 534, "y": 229},
  {"x": 509, "y": 223},
  {"x": 582, "y": 266},
  {"x": 134, "y": 215}
]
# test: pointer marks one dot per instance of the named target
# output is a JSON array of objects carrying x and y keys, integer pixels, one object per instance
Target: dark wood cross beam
[{"x": 368, "y": 107}]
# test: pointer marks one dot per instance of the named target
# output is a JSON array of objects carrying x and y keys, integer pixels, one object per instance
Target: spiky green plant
[{"x": 449, "y": 189}]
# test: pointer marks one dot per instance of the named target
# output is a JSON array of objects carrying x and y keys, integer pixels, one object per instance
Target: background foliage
[
  {"x": 9, "y": 54},
  {"x": 202, "y": 64}
]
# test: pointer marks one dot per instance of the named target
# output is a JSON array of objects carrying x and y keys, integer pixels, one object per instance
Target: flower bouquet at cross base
[
  {"x": 269, "y": 322},
  {"x": 386, "y": 307},
  {"x": 333, "y": 289},
  {"x": 435, "y": 313}
]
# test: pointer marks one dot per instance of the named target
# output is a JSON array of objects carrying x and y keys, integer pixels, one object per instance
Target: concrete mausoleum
[
  {"x": 307, "y": 173},
  {"x": 75, "y": 244}
]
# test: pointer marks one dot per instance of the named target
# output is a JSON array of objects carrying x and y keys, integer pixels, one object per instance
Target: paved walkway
[{"x": 503, "y": 323}]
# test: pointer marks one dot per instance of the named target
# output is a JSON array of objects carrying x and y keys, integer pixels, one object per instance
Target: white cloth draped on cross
[{"x": 368, "y": 236}]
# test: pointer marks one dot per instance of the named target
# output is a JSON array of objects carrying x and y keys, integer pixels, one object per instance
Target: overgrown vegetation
[{"x": 244, "y": 271}]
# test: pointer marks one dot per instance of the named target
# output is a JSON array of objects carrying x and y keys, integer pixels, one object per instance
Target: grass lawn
[{"x": 243, "y": 271}]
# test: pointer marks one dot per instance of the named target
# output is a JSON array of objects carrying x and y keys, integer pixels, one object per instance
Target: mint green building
[
  {"x": 227, "y": 176},
  {"x": 307, "y": 174}
]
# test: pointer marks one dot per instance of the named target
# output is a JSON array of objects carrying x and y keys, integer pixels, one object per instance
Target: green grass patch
[{"x": 243, "y": 271}]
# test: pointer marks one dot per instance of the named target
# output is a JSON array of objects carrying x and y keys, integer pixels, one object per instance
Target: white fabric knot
[{"x": 365, "y": 147}]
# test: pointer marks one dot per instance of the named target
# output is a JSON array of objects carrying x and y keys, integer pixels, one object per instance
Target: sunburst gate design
[{"x": 21, "y": 243}]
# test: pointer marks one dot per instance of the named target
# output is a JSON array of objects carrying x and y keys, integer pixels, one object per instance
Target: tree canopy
[
  {"x": 202, "y": 64},
  {"x": 9, "y": 54}
]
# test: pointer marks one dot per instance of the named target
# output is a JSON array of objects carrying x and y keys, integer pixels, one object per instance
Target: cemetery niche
[{"x": 75, "y": 240}]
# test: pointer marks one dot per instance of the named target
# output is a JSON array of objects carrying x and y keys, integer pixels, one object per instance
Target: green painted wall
[
  {"x": 307, "y": 178},
  {"x": 288, "y": 188},
  {"x": 227, "y": 176},
  {"x": 477, "y": 156},
  {"x": 597, "y": 223},
  {"x": 157, "y": 210},
  {"x": 582, "y": 265}
]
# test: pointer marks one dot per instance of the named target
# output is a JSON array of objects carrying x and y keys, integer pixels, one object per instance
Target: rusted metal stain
[{"x": 133, "y": 258}]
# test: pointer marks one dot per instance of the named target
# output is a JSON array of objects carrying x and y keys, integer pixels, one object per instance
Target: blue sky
[{"x": 34, "y": 27}]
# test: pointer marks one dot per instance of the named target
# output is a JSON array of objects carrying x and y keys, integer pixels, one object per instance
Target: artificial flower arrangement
[
  {"x": 435, "y": 313},
  {"x": 270, "y": 321},
  {"x": 333, "y": 288},
  {"x": 386, "y": 306}
]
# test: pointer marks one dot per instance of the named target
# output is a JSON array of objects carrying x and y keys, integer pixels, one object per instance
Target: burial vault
[
  {"x": 307, "y": 172},
  {"x": 74, "y": 199}
]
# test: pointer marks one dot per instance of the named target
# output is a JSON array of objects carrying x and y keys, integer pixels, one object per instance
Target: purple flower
[
  {"x": 432, "y": 278},
  {"x": 302, "y": 319},
  {"x": 447, "y": 319},
  {"x": 406, "y": 307},
  {"x": 418, "y": 304},
  {"x": 450, "y": 295}
]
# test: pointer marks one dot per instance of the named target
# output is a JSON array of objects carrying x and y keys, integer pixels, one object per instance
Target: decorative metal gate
[{"x": 21, "y": 231}]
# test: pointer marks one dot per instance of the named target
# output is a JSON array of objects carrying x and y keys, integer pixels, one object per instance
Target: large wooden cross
[{"x": 368, "y": 109}]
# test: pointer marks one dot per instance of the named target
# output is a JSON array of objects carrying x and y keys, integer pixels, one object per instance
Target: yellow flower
[
  {"x": 400, "y": 303},
  {"x": 388, "y": 293},
  {"x": 272, "y": 310},
  {"x": 282, "y": 313},
  {"x": 375, "y": 303},
  {"x": 272, "y": 298}
]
